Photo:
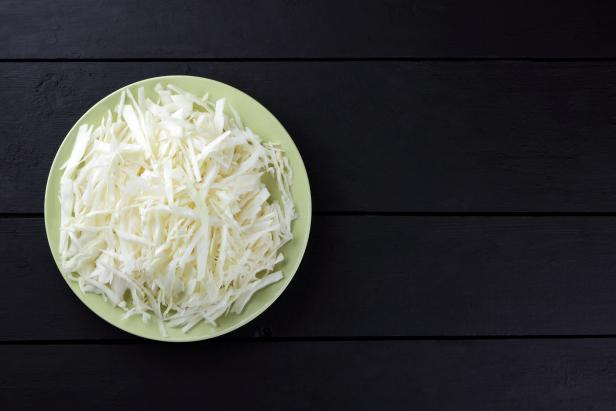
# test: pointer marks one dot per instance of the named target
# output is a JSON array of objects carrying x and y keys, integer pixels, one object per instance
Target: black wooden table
[{"x": 462, "y": 157}]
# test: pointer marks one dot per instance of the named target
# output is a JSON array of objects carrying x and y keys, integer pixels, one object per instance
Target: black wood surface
[
  {"x": 299, "y": 29},
  {"x": 378, "y": 277},
  {"x": 375, "y": 136},
  {"x": 363, "y": 375},
  {"x": 460, "y": 155}
]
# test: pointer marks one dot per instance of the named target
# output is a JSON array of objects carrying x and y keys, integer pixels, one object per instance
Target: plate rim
[{"x": 219, "y": 332}]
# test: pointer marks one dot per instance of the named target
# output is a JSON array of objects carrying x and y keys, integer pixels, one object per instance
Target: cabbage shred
[{"x": 164, "y": 211}]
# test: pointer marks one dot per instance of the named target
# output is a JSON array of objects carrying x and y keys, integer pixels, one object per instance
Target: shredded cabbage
[{"x": 164, "y": 211}]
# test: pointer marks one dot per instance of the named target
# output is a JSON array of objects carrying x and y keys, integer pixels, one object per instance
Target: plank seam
[
  {"x": 348, "y": 213},
  {"x": 307, "y": 59},
  {"x": 128, "y": 341},
  {"x": 466, "y": 214}
]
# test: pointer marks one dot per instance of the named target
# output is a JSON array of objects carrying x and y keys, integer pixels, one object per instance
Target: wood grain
[
  {"x": 375, "y": 136},
  {"x": 377, "y": 276},
  {"x": 368, "y": 375},
  {"x": 78, "y": 29},
  {"x": 467, "y": 130}
]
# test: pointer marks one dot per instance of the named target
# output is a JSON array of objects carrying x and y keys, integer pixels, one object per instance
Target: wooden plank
[
  {"x": 375, "y": 136},
  {"x": 377, "y": 276},
  {"x": 443, "y": 375},
  {"x": 295, "y": 29}
]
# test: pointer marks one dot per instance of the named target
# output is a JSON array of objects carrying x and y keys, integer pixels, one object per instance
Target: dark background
[{"x": 462, "y": 157}]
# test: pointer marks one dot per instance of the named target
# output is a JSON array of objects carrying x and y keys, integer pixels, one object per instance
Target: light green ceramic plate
[{"x": 255, "y": 116}]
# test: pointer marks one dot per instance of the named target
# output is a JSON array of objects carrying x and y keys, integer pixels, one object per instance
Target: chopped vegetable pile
[{"x": 164, "y": 211}]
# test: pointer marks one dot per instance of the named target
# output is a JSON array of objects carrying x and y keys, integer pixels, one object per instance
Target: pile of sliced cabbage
[{"x": 165, "y": 213}]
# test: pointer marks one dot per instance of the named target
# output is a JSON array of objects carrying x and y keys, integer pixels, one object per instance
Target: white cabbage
[{"x": 164, "y": 211}]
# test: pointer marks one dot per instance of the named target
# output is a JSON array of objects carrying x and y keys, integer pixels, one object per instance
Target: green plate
[{"x": 261, "y": 121}]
